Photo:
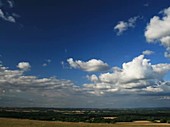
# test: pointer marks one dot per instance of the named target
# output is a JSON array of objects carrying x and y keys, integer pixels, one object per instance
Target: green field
[{"x": 4, "y": 122}]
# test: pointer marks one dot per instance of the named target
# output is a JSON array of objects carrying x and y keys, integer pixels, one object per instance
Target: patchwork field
[{"x": 4, "y": 122}]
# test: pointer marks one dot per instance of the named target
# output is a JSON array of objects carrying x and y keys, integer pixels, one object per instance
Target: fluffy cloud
[
  {"x": 92, "y": 65},
  {"x": 138, "y": 75},
  {"x": 123, "y": 26},
  {"x": 92, "y": 78},
  {"x": 147, "y": 52},
  {"x": 18, "y": 89},
  {"x": 158, "y": 30},
  {"x": 24, "y": 65}
]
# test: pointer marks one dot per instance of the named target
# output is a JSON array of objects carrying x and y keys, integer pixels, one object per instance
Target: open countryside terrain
[
  {"x": 5, "y": 122},
  {"x": 157, "y": 115}
]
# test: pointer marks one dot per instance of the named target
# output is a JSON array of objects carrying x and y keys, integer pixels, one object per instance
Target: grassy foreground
[{"x": 4, "y": 122}]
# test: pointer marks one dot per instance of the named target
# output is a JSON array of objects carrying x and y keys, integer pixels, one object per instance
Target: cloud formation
[
  {"x": 8, "y": 18},
  {"x": 137, "y": 76},
  {"x": 10, "y": 3},
  {"x": 30, "y": 90},
  {"x": 46, "y": 63},
  {"x": 147, "y": 52},
  {"x": 24, "y": 66},
  {"x": 7, "y": 15},
  {"x": 158, "y": 30},
  {"x": 123, "y": 26},
  {"x": 15, "y": 84},
  {"x": 92, "y": 65},
  {"x": 93, "y": 78},
  {"x": 146, "y": 5}
]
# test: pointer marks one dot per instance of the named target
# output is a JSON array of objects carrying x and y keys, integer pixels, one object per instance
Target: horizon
[
  {"x": 74, "y": 108},
  {"x": 85, "y": 54}
]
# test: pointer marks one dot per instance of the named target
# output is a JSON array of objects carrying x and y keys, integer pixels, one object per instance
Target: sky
[{"x": 85, "y": 53}]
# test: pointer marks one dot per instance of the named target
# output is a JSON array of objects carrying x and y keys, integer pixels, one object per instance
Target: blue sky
[{"x": 88, "y": 53}]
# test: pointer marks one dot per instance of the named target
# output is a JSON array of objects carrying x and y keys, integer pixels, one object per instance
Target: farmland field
[
  {"x": 6, "y": 122},
  {"x": 161, "y": 115}
]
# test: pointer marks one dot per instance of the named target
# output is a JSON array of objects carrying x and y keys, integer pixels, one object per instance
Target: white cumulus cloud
[
  {"x": 18, "y": 89},
  {"x": 92, "y": 65},
  {"x": 138, "y": 75},
  {"x": 24, "y": 65},
  {"x": 123, "y": 26},
  {"x": 92, "y": 78},
  {"x": 158, "y": 30}
]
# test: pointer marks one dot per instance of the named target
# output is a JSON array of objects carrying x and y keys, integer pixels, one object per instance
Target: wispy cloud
[
  {"x": 15, "y": 82},
  {"x": 5, "y": 15},
  {"x": 64, "y": 65},
  {"x": 7, "y": 18},
  {"x": 47, "y": 62},
  {"x": 158, "y": 30},
  {"x": 92, "y": 65},
  {"x": 147, "y": 52},
  {"x": 1, "y": 4},
  {"x": 11, "y": 3},
  {"x": 146, "y": 5},
  {"x": 123, "y": 26}
]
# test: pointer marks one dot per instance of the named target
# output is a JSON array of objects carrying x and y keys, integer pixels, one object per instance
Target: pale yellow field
[{"x": 32, "y": 123}]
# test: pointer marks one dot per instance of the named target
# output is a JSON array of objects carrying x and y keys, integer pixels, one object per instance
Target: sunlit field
[{"x": 4, "y": 122}]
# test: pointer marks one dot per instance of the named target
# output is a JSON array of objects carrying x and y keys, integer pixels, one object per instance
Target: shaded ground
[{"x": 4, "y": 122}]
